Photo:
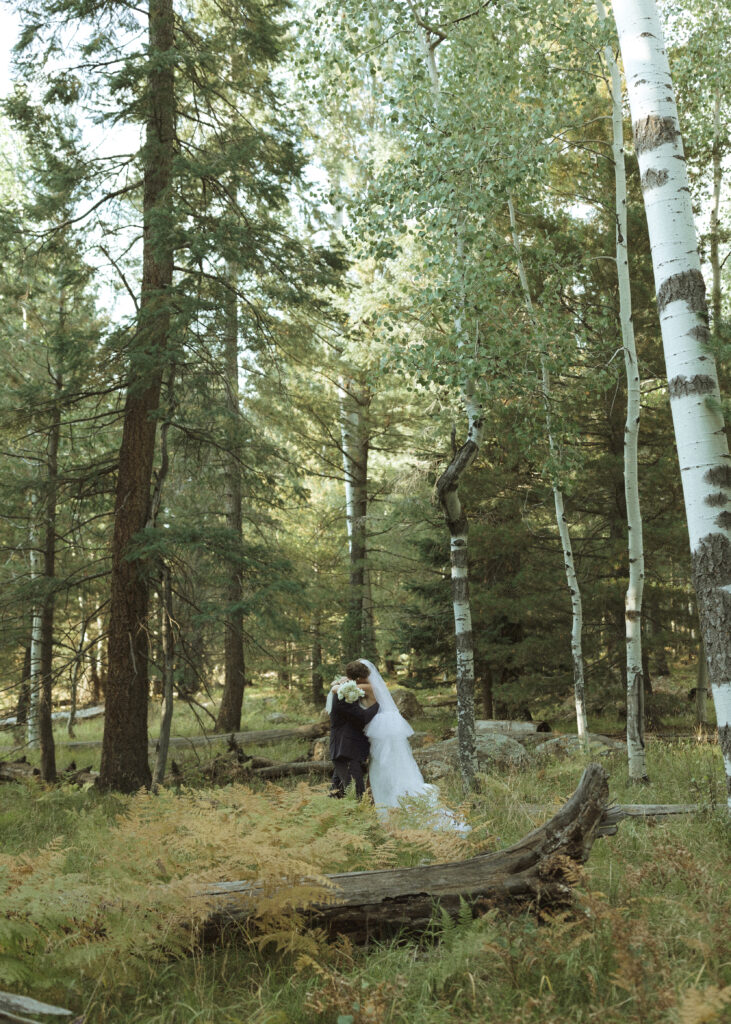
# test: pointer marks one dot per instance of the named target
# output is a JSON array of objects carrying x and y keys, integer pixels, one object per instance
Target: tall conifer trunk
[
  {"x": 700, "y": 435},
  {"x": 229, "y": 713},
  {"x": 124, "y": 763}
]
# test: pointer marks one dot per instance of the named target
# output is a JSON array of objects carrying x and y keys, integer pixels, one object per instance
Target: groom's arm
[{"x": 359, "y": 714}]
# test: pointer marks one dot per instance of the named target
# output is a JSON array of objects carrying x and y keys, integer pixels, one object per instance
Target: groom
[{"x": 349, "y": 745}]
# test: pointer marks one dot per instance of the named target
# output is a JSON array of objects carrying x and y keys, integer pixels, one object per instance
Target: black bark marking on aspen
[
  {"x": 723, "y": 520},
  {"x": 720, "y": 498},
  {"x": 681, "y": 387},
  {"x": 718, "y": 476},
  {"x": 701, "y": 333},
  {"x": 687, "y": 286},
  {"x": 632, "y": 615},
  {"x": 654, "y": 179},
  {"x": 647, "y": 35},
  {"x": 653, "y": 131},
  {"x": 711, "y": 572},
  {"x": 459, "y": 555},
  {"x": 460, "y": 590},
  {"x": 463, "y": 642}
]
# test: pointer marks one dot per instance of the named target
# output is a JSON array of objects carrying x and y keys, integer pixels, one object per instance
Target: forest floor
[{"x": 98, "y": 894}]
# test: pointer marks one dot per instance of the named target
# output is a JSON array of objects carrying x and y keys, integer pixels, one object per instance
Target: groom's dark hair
[{"x": 357, "y": 670}]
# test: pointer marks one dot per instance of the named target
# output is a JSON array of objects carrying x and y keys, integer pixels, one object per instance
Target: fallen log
[
  {"x": 510, "y": 727},
  {"x": 280, "y": 771},
  {"x": 12, "y": 1006},
  {"x": 18, "y": 771},
  {"x": 13, "y": 771},
  {"x": 539, "y": 870},
  {"x": 61, "y": 716},
  {"x": 261, "y": 737},
  {"x": 621, "y": 811},
  {"x": 249, "y": 767}
]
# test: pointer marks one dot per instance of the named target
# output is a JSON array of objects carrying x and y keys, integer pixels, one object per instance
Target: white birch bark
[
  {"x": 700, "y": 436},
  {"x": 637, "y": 761},
  {"x": 36, "y": 636},
  {"x": 572, "y": 579}
]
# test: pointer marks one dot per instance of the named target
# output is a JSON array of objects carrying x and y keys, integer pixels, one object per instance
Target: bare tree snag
[{"x": 538, "y": 870}]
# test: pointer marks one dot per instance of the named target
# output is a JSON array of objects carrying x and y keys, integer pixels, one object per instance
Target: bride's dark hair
[{"x": 357, "y": 670}]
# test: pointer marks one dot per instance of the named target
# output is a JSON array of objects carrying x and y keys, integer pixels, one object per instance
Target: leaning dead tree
[{"x": 539, "y": 870}]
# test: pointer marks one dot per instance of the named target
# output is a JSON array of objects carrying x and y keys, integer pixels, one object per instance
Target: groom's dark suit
[{"x": 348, "y": 744}]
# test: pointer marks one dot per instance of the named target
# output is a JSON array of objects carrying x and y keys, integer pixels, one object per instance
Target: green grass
[{"x": 647, "y": 941}]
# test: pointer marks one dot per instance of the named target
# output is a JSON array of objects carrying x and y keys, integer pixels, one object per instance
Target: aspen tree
[
  {"x": 633, "y": 598},
  {"x": 702, "y": 445},
  {"x": 448, "y": 492}
]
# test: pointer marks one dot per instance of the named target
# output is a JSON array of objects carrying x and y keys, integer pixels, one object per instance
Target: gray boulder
[
  {"x": 493, "y": 749},
  {"x": 564, "y": 746},
  {"x": 408, "y": 704}
]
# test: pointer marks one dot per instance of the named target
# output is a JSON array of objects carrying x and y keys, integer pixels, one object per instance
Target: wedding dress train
[{"x": 395, "y": 777}]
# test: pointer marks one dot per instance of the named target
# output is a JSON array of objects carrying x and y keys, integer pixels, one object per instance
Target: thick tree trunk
[
  {"x": 229, "y": 713},
  {"x": 124, "y": 763},
  {"x": 633, "y": 599},
  {"x": 572, "y": 579},
  {"x": 538, "y": 870},
  {"x": 695, "y": 402}
]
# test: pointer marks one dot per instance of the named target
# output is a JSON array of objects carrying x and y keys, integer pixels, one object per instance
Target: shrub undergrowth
[{"x": 101, "y": 904}]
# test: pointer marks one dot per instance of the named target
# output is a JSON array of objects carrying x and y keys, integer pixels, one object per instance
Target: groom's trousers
[{"x": 346, "y": 771}]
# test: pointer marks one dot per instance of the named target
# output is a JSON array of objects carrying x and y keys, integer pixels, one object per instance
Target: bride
[{"x": 394, "y": 774}]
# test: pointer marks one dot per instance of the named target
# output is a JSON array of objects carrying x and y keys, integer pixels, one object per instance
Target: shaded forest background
[{"x": 312, "y": 206}]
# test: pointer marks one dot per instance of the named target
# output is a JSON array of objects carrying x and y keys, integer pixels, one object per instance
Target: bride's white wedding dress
[{"x": 394, "y": 774}]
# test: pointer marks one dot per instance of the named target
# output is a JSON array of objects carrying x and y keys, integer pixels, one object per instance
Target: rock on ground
[
  {"x": 571, "y": 744},
  {"x": 493, "y": 749},
  {"x": 408, "y": 704}
]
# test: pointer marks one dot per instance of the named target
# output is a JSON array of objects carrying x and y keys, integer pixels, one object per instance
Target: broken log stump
[{"x": 538, "y": 870}]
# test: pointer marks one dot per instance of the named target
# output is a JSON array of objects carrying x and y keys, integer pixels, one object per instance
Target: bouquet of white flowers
[{"x": 347, "y": 690}]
